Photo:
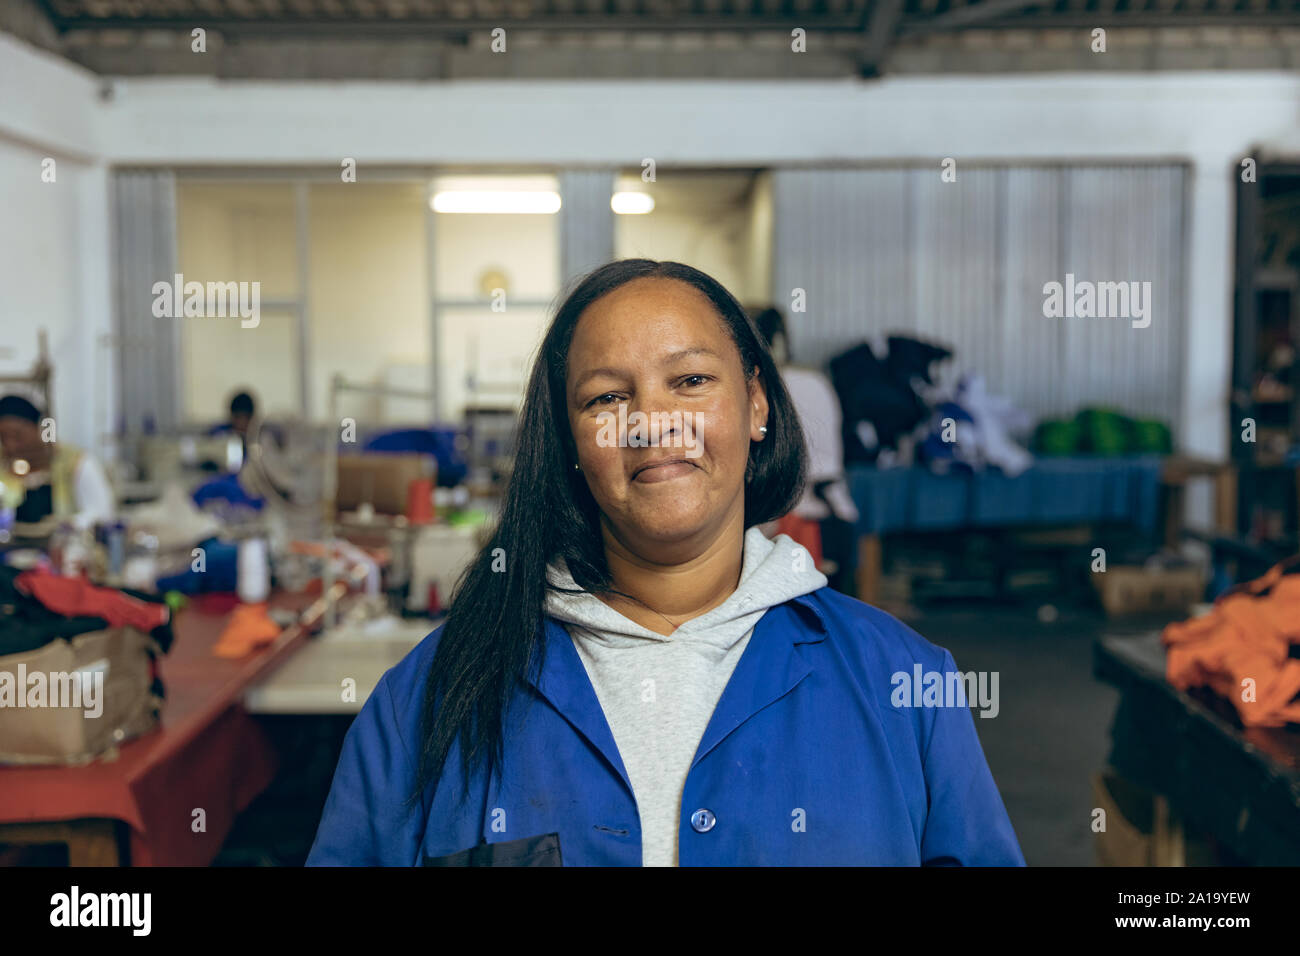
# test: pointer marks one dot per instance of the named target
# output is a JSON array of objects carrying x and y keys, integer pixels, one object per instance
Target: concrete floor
[{"x": 1052, "y": 732}]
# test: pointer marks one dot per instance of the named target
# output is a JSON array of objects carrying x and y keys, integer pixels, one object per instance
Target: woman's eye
[
  {"x": 602, "y": 399},
  {"x": 695, "y": 380}
]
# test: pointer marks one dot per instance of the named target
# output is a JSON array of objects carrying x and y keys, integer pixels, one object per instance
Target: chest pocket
[{"x": 531, "y": 851}]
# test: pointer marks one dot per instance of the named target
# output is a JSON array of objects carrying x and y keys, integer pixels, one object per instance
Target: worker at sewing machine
[
  {"x": 244, "y": 422},
  {"x": 253, "y": 432},
  {"x": 44, "y": 478},
  {"x": 242, "y": 410}
]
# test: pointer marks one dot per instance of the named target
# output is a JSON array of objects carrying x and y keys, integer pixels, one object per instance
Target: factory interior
[{"x": 273, "y": 279}]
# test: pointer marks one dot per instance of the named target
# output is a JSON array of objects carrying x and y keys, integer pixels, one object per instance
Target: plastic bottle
[
  {"x": 69, "y": 550},
  {"x": 141, "y": 568}
]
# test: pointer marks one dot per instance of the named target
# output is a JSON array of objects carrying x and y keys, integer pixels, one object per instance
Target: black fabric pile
[
  {"x": 26, "y": 624},
  {"x": 881, "y": 392}
]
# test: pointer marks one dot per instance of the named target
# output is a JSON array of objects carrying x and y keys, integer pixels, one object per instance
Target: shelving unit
[
  {"x": 1266, "y": 357},
  {"x": 36, "y": 385}
]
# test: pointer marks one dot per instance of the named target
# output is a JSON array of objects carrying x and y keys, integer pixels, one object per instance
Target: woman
[
  {"x": 46, "y": 479},
  {"x": 630, "y": 673},
  {"x": 824, "y": 517}
]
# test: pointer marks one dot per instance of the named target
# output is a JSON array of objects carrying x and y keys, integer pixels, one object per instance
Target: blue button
[{"x": 703, "y": 820}]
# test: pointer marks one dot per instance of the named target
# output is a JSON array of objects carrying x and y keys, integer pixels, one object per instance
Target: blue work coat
[{"x": 812, "y": 757}]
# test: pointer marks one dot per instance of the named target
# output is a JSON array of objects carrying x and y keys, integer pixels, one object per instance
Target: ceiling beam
[
  {"x": 460, "y": 25},
  {"x": 878, "y": 35},
  {"x": 880, "y": 23},
  {"x": 30, "y": 20},
  {"x": 972, "y": 14},
  {"x": 1150, "y": 21}
]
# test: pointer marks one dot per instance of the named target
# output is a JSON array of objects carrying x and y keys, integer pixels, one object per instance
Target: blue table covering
[{"x": 1054, "y": 491}]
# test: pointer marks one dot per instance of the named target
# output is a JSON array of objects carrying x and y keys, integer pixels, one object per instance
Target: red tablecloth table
[{"x": 208, "y": 754}]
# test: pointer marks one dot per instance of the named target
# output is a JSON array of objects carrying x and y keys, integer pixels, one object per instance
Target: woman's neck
[{"x": 670, "y": 594}]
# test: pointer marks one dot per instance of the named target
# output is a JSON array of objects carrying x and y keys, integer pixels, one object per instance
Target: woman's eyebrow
[
  {"x": 622, "y": 373},
  {"x": 687, "y": 353},
  {"x": 597, "y": 373}
]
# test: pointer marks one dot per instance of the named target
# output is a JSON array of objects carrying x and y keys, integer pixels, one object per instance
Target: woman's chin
[{"x": 674, "y": 521}]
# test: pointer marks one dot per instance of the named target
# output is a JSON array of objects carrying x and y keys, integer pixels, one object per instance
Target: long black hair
[{"x": 493, "y": 632}]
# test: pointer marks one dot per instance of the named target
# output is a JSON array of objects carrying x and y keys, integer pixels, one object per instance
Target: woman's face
[
  {"x": 668, "y": 467},
  {"x": 19, "y": 438}
]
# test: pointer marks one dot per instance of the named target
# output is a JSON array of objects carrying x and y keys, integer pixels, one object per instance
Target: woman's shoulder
[
  {"x": 406, "y": 680},
  {"x": 874, "y": 635}
]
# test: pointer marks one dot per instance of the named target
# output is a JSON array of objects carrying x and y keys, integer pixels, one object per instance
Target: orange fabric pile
[
  {"x": 1240, "y": 648},
  {"x": 249, "y": 627}
]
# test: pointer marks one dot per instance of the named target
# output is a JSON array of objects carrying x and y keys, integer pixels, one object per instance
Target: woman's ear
[{"x": 758, "y": 409}]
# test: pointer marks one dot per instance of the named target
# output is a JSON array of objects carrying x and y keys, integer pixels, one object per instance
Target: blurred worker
[
  {"x": 245, "y": 424},
  {"x": 47, "y": 477},
  {"x": 242, "y": 410},
  {"x": 826, "y": 499},
  {"x": 241, "y": 413}
]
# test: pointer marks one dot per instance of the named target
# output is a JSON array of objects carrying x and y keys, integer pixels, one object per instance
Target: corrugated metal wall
[
  {"x": 148, "y": 348},
  {"x": 586, "y": 221},
  {"x": 897, "y": 249}
]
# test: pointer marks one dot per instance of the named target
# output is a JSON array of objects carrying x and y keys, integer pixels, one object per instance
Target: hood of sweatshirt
[{"x": 773, "y": 571}]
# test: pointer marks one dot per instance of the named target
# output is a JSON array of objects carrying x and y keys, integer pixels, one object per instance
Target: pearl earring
[
  {"x": 577, "y": 467},
  {"x": 762, "y": 429}
]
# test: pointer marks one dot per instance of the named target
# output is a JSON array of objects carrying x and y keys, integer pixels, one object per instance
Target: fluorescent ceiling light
[
  {"x": 519, "y": 202},
  {"x": 631, "y": 203}
]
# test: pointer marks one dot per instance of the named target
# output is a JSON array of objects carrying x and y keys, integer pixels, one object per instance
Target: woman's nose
[{"x": 661, "y": 420}]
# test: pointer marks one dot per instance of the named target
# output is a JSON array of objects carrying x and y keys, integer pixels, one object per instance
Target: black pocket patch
[{"x": 531, "y": 851}]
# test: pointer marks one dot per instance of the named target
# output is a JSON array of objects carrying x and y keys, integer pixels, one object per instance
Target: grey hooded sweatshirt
[{"x": 658, "y": 692}]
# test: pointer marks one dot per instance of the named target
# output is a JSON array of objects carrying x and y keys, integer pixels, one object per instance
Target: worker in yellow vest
[{"x": 42, "y": 477}]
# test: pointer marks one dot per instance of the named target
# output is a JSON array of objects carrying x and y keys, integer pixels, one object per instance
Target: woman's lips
[{"x": 663, "y": 471}]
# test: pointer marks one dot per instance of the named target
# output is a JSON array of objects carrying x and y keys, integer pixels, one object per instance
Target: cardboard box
[
  {"x": 106, "y": 674},
  {"x": 1131, "y": 589},
  {"x": 380, "y": 480}
]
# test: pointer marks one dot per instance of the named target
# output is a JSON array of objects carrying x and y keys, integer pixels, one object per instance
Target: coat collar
[{"x": 770, "y": 667}]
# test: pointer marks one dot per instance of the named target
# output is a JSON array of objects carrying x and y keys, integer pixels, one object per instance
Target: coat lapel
[
  {"x": 770, "y": 668},
  {"x": 563, "y": 681}
]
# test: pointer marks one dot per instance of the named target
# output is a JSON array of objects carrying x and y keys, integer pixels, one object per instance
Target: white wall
[
  {"x": 1207, "y": 119},
  {"x": 369, "y": 295},
  {"x": 758, "y": 244},
  {"x": 54, "y": 242},
  {"x": 1065, "y": 116},
  {"x": 714, "y": 240}
]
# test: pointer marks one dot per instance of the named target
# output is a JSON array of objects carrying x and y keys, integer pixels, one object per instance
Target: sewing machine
[{"x": 187, "y": 458}]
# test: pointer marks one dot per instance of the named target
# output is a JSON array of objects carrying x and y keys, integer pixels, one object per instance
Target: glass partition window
[
  {"x": 369, "y": 298},
  {"x": 241, "y": 233},
  {"x": 497, "y": 274},
  {"x": 344, "y": 290}
]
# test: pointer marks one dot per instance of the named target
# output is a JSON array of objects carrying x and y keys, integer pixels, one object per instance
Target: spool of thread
[
  {"x": 253, "y": 575},
  {"x": 419, "y": 501}
]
